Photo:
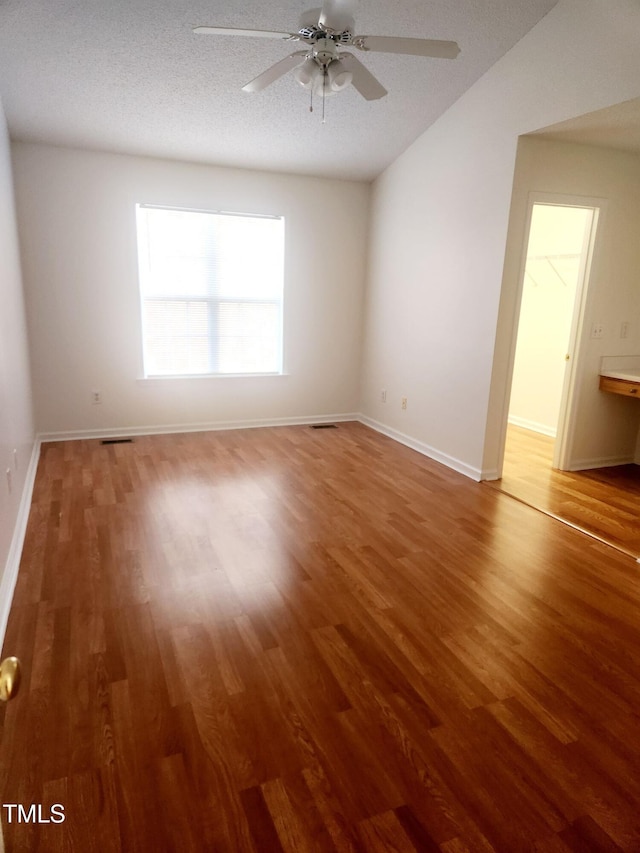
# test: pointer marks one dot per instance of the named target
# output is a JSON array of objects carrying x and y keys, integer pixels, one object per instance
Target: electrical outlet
[
  {"x": 96, "y": 398},
  {"x": 9, "y": 483},
  {"x": 383, "y": 396},
  {"x": 624, "y": 329},
  {"x": 597, "y": 330},
  {"x": 404, "y": 403}
]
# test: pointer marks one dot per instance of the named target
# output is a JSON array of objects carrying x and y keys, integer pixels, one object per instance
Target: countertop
[{"x": 627, "y": 375}]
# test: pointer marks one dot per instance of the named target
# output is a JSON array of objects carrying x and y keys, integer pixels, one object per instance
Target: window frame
[{"x": 212, "y": 301}]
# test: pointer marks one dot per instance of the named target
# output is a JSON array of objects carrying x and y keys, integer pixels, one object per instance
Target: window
[{"x": 211, "y": 290}]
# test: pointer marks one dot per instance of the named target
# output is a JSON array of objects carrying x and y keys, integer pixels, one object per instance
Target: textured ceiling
[{"x": 131, "y": 76}]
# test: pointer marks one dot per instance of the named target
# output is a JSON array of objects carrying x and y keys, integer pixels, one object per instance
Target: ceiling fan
[{"x": 323, "y": 66}]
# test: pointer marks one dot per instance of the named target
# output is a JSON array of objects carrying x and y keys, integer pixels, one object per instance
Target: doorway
[
  {"x": 555, "y": 277},
  {"x": 551, "y": 326}
]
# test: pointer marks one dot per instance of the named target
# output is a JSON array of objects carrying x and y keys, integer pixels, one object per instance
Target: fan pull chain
[{"x": 324, "y": 86}]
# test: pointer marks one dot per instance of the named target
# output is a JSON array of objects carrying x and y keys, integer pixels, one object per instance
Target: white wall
[
  {"x": 439, "y": 227},
  {"x": 16, "y": 426},
  {"x": 76, "y": 213},
  {"x": 606, "y": 426}
]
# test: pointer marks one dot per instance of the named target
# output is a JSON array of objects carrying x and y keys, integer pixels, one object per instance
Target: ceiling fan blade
[
  {"x": 363, "y": 80},
  {"x": 278, "y": 70},
  {"x": 408, "y": 46},
  {"x": 337, "y": 15},
  {"x": 232, "y": 31}
]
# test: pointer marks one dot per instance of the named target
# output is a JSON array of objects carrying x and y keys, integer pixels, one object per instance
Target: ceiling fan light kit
[
  {"x": 306, "y": 73},
  {"x": 321, "y": 74},
  {"x": 322, "y": 68},
  {"x": 339, "y": 77}
]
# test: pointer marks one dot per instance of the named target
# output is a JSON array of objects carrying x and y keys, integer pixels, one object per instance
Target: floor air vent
[
  {"x": 323, "y": 426},
  {"x": 116, "y": 441}
]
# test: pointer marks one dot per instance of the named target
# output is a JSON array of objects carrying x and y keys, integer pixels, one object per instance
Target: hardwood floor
[
  {"x": 604, "y": 502},
  {"x": 297, "y": 640}
]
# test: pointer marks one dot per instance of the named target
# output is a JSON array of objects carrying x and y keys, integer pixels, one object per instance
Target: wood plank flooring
[
  {"x": 297, "y": 640},
  {"x": 603, "y": 501}
]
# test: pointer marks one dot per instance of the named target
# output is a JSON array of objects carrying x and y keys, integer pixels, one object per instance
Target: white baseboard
[
  {"x": 489, "y": 474},
  {"x": 168, "y": 429},
  {"x": 425, "y": 449},
  {"x": 10, "y": 574},
  {"x": 600, "y": 462},
  {"x": 534, "y": 426}
]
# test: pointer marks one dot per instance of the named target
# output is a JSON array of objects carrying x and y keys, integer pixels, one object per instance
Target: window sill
[{"x": 153, "y": 379}]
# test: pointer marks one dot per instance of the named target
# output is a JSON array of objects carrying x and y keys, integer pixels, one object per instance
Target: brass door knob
[{"x": 9, "y": 678}]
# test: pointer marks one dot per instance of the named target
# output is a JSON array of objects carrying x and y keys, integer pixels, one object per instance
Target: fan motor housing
[{"x": 315, "y": 33}]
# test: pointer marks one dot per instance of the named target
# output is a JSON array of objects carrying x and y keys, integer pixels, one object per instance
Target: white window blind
[{"x": 211, "y": 289}]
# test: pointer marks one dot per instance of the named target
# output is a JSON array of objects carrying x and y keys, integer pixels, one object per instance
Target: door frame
[{"x": 573, "y": 372}]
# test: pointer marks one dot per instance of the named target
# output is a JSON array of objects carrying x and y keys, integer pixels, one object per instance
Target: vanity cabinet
[{"x": 627, "y": 387}]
